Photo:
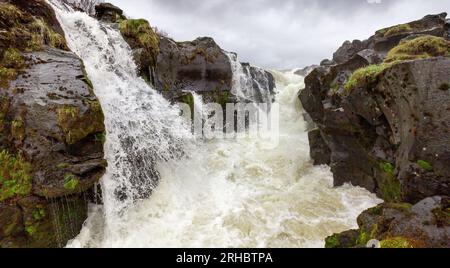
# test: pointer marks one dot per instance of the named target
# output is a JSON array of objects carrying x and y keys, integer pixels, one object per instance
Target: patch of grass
[
  {"x": 12, "y": 58},
  {"x": 387, "y": 167},
  {"x": 396, "y": 242},
  {"x": 398, "y": 29},
  {"x": 39, "y": 214},
  {"x": 425, "y": 165},
  {"x": 390, "y": 188},
  {"x": 419, "y": 48},
  {"x": 141, "y": 33},
  {"x": 364, "y": 76},
  {"x": 31, "y": 230},
  {"x": 15, "y": 176},
  {"x": 70, "y": 182},
  {"x": 6, "y": 75},
  {"x": 332, "y": 241},
  {"x": 44, "y": 35}
]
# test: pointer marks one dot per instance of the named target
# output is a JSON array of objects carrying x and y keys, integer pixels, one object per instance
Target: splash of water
[
  {"x": 225, "y": 193},
  {"x": 142, "y": 128}
]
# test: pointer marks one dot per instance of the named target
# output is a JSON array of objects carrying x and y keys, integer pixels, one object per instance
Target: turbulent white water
[
  {"x": 222, "y": 193},
  {"x": 249, "y": 86}
]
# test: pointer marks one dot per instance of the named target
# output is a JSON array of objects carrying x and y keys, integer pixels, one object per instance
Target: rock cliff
[
  {"x": 52, "y": 131},
  {"x": 382, "y": 112}
]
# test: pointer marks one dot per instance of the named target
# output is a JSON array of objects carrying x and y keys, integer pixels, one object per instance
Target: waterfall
[
  {"x": 249, "y": 83},
  {"x": 142, "y": 128},
  {"x": 243, "y": 192}
]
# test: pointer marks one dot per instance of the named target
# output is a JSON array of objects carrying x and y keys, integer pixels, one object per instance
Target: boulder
[
  {"x": 400, "y": 225},
  {"x": 108, "y": 12}
]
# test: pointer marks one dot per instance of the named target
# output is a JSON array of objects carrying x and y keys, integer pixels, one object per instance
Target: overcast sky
[{"x": 279, "y": 34}]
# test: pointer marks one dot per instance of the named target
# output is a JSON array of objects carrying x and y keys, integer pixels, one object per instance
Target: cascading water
[
  {"x": 250, "y": 84},
  {"x": 222, "y": 193},
  {"x": 142, "y": 127}
]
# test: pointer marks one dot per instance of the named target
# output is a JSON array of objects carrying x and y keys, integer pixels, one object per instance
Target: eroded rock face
[
  {"x": 401, "y": 225},
  {"x": 51, "y": 132},
  {"x": 200, "y": 66},
  {"x": 389, "y": 130},
  {"x": 376, "y": 133}
]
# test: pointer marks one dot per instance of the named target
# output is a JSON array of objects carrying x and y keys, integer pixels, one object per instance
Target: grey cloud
[{"x": 278, "y": 33}]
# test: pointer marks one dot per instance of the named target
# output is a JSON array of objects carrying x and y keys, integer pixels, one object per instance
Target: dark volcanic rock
[
  {"x": 108, "y": 12},
  {"x": 389, "y": 131},
  {"x": 51, "y": 131},
  {"x": 199, "y": 66},
  {"x": 400, "y": 225}
]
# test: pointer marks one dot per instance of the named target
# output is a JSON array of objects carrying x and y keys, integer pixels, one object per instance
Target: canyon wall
[{"x": 382, "y": 111}]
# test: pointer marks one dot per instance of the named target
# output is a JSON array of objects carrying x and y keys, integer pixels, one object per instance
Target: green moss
[
  {"x": 396, "y": 242},
  {"x": 387, "y": 167},
  {"x": 62, "y": 165},
  {"x": 39, "y": 214},
  {"x": 332, "y": 241},
  {"x": 399, "y": 29},
  {"x": 364, "y": 76},
  {"x": 425, "y": 165},
  {"x": 6, "y": 75},
  {"x": 390, "y": 188},
  {"x": 45, "y": 36},
  {"x": 15, "y": 178},
  {"x": 100, "y": 137},
  {"x": 419, "y": 48},
  {"x": 141, "y": 33},
  {"x": 12, "y": 58},
  {"x": 70, "y": 182},
  {"x": 31, "y": 230}
]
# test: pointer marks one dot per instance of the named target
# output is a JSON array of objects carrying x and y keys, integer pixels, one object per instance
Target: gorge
[{"x": 95, "y": 153}]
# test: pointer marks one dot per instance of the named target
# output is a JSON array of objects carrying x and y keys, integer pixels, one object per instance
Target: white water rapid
[{"x": 220, "y": 193}]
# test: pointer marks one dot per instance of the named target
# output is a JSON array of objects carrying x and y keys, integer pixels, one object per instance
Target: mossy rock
[
  {"x": 26, "y": 32},
  {"x": 421, "y": 47},
  {"x": 395, "y": 30},
  {"x": 12, "y": 58},
  {"x": 397, "y": 242},
  {"x": 364, "y": 76},
  {"x": 77, "y": 125},
  {"x": 6, "y": 75},
  {"x": 139, "y": 34},
  {"x": 15, "y": 176}
]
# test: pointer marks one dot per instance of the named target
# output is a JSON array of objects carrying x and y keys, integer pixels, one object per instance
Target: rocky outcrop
[
  {"x": 382, "y": 112},
  {"x": 52, "y": 131},
  {"x": 400, "y": 225},
  {"x": 199, "y": 66},
  {"x": 177, "y": 68},
  {"x": 108, "y": 12}
]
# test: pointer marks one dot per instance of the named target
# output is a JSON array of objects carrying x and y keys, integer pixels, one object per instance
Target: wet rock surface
[
  {"x": 52, "y": 133},
  {"x": 386, "y": 122}
]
